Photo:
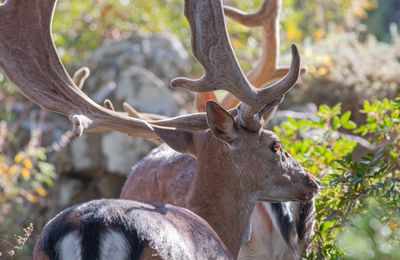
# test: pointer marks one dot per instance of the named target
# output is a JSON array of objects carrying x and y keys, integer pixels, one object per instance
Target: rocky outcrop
[{"x": 136, "y": 70}]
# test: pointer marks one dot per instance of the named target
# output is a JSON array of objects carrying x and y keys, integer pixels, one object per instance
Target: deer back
[{"x": 120, "y": 229}]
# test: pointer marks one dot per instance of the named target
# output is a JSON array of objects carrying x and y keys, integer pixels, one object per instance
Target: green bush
[{"x": 357, "y": 197}]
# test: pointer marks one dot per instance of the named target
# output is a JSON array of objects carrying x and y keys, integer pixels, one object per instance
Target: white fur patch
[
  {"x": 70, "y": 247},
  {"x": 113, "y": 245}
]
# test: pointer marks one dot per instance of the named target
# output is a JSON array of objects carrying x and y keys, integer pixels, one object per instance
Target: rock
[
  {"x": 149, "y": 93},
  {"x": 86, "y": 153},
  {"x": 163, "y": 55},
  {"x": 136, "y": 70},
  {"x": 68, "y": 189},
  {"x": 122, "y": 151}
]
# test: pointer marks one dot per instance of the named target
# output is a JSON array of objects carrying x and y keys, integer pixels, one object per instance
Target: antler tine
[
  {"x": 251, "y": 115},
  {"x": 269, "y": 10},
  {"x": 132, "y": 112},
  {"x": 212, "y": 49},
  {"x": 29, "y": 59},
  {"x": 279, "y": 88},
  {"x": 266, "y": 68},
  {"x": 80, "y": 76}
]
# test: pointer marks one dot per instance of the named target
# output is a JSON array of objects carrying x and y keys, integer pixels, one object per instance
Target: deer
[
  {"x": 238, "y": 162},
  {"x": 276, "y": 230},
  {"x": 120, "y": 229}
]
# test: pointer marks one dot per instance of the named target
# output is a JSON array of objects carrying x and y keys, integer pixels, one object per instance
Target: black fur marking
[
  {"x": 285, "y": 223},
  {"x": 306, "y": 209},
  {"x": 101, "y": 215},
  {"x": 299, "y": 224},
  {"x": 90, "y": 235},
  {"x": 59, "y": 227}
]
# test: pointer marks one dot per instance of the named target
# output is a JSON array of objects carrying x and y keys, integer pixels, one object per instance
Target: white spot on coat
[
  {"x": 113, "y": 245},
  {"x": 70, "y": 247}
]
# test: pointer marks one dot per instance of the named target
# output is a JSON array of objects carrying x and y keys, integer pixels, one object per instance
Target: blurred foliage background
[{"x": 352, "y": 52}]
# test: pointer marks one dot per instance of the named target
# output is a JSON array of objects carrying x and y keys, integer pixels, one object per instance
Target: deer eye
[{"x": 275, "y": 147}]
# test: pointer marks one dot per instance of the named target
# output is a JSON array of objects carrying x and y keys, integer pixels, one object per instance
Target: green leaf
[
  {"x": 337, "y": 108},
  {"x": 324, "y": 109},
  {"x": 335, "y": 122},
  {"x": 349, "y": 125},
  {"x": 386, "y": 102},
  {"x": 46, "y": 169},
  {"x": 344, "y": 117},
  {"x": 367, "y": 106},
  {"x": 277, "y": 130}
]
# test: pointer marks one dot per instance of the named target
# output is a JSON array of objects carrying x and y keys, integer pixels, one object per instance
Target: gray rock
[
  {"x": 86, "y": 153},
  {"x": 122, "y": 151},
  {"x": 149, "y": 93},
  {"x": 136, "y": 70},
  {"x": 163, "y": 55},
  {"x": 68, "y": 189}
]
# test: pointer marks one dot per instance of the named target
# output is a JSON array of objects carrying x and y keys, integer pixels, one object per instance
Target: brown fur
[
  {"x": 72, "y": 218},
  {"x": 226, "y": 184},
  {"x": 265, "y": 241},
  {"x": 149, "y": 253}
]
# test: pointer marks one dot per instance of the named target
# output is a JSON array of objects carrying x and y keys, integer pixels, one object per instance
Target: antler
[
  {"x": 266, "y": 68},
  {"x": 266, "y": 17},
  {"x": 212, "y": 49},
  {"x": 29, "y": 59}
]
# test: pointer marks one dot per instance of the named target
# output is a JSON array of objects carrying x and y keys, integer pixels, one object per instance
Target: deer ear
[
  {"x": 221, "y": 123},
  {"x": 179, "y": 140}
]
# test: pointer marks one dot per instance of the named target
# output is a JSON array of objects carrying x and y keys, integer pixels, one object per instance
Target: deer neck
[{"x": 220, "y": 197}]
